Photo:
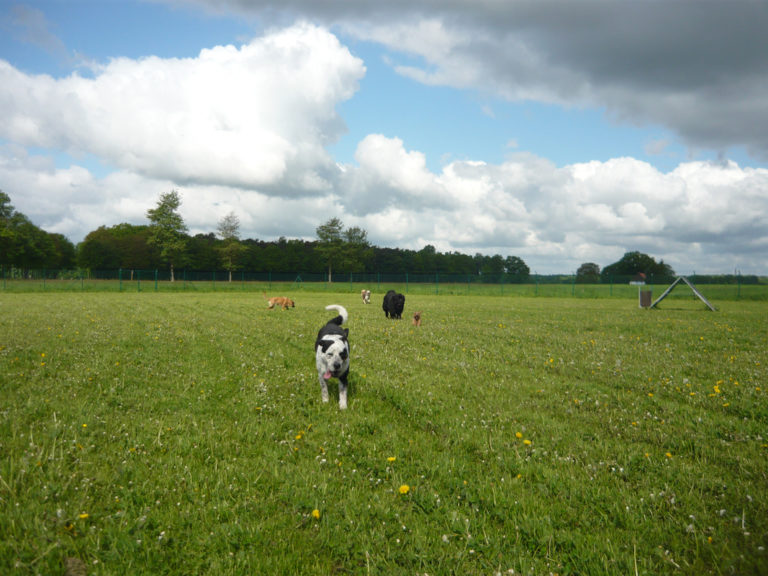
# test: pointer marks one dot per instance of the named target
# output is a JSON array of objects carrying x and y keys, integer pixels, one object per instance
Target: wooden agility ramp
[{"x": 691, "y": 286}]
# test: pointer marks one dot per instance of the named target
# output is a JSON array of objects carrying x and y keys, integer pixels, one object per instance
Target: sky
[{"x": 558, "y": 132}]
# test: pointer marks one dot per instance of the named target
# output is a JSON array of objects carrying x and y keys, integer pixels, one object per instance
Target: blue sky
[{"x": 560, "y": 134}]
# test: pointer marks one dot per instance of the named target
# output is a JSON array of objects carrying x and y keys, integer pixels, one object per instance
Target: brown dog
[
  {"x": 281, "y": 301},
  {"x": 366, "y": 296},
  {"x": 417, "y": 318}
]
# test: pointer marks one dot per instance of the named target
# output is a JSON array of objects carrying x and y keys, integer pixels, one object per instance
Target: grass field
[
  {"x": 183, "y": 433},
  {"x": 623, "y": 291}
]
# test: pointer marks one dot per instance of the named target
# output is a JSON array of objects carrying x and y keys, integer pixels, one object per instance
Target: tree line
[{"x": 164, "y": 243}]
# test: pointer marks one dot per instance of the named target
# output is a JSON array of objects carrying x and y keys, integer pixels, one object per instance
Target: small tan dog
[
  {"x": 366, "y": 296},
  {"x": 417, "y": 318},
  {"x": 281, "y": 301}
]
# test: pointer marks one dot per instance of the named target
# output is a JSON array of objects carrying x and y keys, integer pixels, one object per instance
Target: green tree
[
  {"x": 167, "y": 230},
  {"x": 26, "y": 246},
  {"x": 343, "y": 248},
  {"x": 33, "y": 245},
  {"x": 515, "y": 267},
  {"x": 63, "y": 255},
  {"x": 588, "y": 273},
  {"x": 99, "y": 250},
  {"x": 7, "y": 233},
  {"x": 358, "y": 251},
  {"x": 231, "y": 250},
  {"x": 202, "y": 252},
  {"x": 121, "y": 246},
  {"x": 331, "y": 243},
  {"x": 633, "y": 263}
]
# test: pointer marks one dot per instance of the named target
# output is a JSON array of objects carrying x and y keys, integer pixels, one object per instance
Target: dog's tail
[{"x": 342, "y": 317}]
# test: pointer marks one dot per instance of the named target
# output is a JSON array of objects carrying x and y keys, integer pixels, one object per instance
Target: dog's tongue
[{"x": 327, "y": 375}]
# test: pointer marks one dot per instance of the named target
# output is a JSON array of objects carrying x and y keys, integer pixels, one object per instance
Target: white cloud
[
  {"x": 702, "y": 217},
  {"x": 255, "y": 116}
]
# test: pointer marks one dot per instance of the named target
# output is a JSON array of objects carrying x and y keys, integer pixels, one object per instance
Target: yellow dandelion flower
[
  {"x": 668, "y": 454},
  {"x": 83, "y": 516},
  {"x": 527, "y": 442},
  {"x": 391, "y": 458},
  {"x": 316, "y": 514},
  {"x": 404, "y": 489},
  {"x": 518, "y": 435}
]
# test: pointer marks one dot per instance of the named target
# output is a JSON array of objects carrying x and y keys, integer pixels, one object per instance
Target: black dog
[{"x": 393, "y": 304}]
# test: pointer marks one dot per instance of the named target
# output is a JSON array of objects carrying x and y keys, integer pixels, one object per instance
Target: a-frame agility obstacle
[{"x": 690, "y": 285}]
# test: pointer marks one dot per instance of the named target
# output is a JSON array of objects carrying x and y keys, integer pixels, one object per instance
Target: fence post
[
  {"x": 155, "y": 279},
  {"x": 120, "y": 280},
  {"x": 138, "y": 280}
]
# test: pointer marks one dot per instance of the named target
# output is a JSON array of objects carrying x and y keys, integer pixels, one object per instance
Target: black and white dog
[
  {"x": 393, "y": 304},
  {"x": 332, "y": 354}
]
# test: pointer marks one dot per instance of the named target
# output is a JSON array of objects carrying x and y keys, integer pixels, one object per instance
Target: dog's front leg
[
  {"x": 342, "y": 393},
  {"x": 323, "y": 388}
]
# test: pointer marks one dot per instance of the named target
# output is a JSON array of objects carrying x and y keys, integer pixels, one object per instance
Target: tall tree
[
  {"x": 231, "y": 249},
  {"x": 636, "y": 262},
  {"x": 358, "y": 250},
  {"x": 7, "y": 234},
  {"x": 516, "y": 266},
  {"x": 588, "y": 273},
  {"x": 330, "y": 243},
  {"x": 339, "y": 247},
  {"x": 168, "y": 231}
]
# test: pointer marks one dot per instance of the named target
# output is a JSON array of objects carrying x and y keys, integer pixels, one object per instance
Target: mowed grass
[{"x": 162, "y": 433}]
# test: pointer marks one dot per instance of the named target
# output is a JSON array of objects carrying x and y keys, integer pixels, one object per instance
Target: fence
[{"x": 718, "y": 288}]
